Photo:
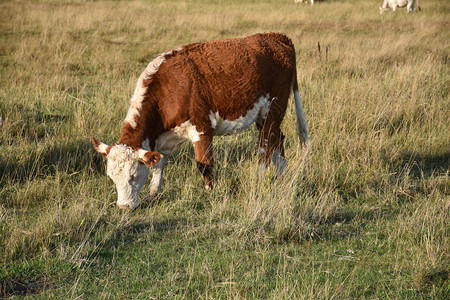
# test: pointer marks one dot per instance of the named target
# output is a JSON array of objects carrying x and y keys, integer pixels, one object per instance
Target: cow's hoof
[
  {"x": 153, "y": 193},
  {"x": 124, "y": 206}
]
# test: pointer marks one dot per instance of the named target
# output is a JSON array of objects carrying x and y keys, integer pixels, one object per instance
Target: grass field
[{"x": 367, "y": 218}]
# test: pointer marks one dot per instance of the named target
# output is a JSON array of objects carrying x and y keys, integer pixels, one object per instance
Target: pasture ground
[{"x": 367, "y": 218}]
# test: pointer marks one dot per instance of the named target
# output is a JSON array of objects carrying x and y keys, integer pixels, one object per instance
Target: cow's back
[{"x": 232, "y": 74}]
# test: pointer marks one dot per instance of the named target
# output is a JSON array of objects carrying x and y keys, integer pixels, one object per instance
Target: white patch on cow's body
[
  {"x": 136, "y": 101},
  {"x": 170, "y": 140},
  {"x": 227, "y": 127},
  {"x": 140, "y": 90},
  {"x": 188, "y": 131},
  {"x": 128, "y": 173}
]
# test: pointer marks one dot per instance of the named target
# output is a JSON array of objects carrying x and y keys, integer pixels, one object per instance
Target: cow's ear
[
  {"x": 149, "y": 158},
  {"x": 100, "y": 147}
]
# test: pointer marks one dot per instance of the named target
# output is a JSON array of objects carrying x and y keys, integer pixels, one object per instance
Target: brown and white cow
[{"x": 199, "y": 91}]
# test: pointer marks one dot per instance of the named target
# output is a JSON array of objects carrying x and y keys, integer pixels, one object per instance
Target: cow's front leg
[
  {"x": 204, "y": 158},
  {"x": 155, "y": 184}
]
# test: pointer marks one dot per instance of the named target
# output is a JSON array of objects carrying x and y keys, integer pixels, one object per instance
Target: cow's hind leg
[
  {"x": 278, "y": 158},
  {"x": 155, "y": 184},
  {"x": 204, "y": 158}
]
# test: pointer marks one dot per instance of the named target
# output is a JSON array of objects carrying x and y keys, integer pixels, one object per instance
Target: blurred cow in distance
[
  {"x": 393, "y": 4},
  {"x": 304, "y": 1}
]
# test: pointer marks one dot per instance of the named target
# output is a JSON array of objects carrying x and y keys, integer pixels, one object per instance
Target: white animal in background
[
  {"x": 410, "y": 5},
  {"x": 304, "y": 1}
]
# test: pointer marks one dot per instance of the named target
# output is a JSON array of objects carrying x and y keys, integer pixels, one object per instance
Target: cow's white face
[
  {"x": 128, "y": 172},
  {"x": 128, "y": 169}
]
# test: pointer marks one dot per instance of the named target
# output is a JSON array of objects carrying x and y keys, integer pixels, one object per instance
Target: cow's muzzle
[{"x": 131, "y": 205}]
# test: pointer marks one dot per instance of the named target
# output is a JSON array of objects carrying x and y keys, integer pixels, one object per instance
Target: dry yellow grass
[{"x": 366, "y": 218}]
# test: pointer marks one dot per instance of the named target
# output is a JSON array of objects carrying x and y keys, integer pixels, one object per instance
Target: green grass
[{"x": 367, "y": 218}]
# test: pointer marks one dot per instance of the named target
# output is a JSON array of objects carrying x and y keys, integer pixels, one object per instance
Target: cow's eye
[{"x": 133, "y": 177}]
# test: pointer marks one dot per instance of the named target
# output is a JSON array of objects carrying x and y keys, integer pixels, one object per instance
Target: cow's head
[{"x": 128, "y": 169}]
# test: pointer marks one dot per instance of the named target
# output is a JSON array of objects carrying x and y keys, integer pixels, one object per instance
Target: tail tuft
[{"x": 302, "y": 127}]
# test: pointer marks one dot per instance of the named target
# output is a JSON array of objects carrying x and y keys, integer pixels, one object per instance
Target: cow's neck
[{"x": 148, "y": 128}]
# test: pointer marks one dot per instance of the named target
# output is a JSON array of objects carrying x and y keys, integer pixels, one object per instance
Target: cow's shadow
[{"x": 422, "y": 165}]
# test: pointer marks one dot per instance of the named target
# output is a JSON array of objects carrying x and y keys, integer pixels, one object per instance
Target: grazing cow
[
  {"x": 392, "y": 4},
  {"x": 199, "y": 91},
  {"x": 304, "y": 1}
]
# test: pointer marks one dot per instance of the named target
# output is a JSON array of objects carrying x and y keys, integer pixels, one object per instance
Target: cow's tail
[{"x": 302, "y": 127}]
